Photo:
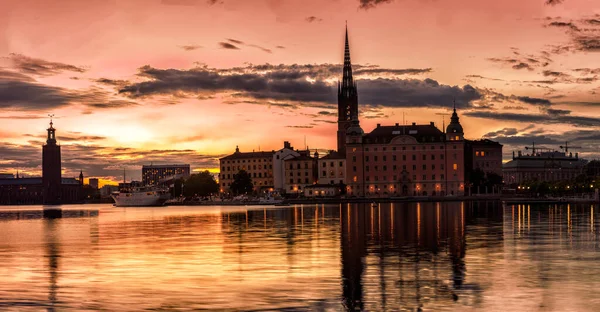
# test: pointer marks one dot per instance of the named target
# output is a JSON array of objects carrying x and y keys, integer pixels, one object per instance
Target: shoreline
[{"x": 289, "y": 202}]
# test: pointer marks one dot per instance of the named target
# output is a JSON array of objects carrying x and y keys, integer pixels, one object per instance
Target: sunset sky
[{"x": 184, "y": 81}]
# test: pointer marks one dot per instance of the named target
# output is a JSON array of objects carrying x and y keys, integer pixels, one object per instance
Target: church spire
[{"x": 347, "y": 81}]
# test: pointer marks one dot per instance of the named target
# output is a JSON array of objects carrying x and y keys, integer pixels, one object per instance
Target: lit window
[
  {"x": 482, "y": 153},
  {"x": 455, "y": 166},
  {"x": 477, "y": 153}
]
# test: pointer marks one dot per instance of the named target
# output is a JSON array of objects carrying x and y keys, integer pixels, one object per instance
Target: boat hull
[{"x": 140, "y": 199}]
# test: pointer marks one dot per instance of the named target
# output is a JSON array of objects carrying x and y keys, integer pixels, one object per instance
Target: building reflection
[
  {"x": 410, "y": 255},
  {"x": 52, "y": 247}
]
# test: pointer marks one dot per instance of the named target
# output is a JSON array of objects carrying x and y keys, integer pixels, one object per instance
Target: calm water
[{"x": 436, "y": 257}]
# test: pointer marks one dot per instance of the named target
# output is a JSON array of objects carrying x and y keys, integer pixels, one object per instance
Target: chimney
[
  {"x": 287, "y": 145},
  {"x": 431, "y": 123},
  {"x": 397, "y": 124},
  {"x": 414, "y": 123},
  {"x": 378, "y": 125}
]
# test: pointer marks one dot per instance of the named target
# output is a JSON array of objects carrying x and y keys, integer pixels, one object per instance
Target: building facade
[
  {"x": 279, "y": 157},
  {"x": 300, "y": 172},
  {"x": 332, "y": 169},
  {"x": 159, "y": 174},
  {"x": 93, "y": 182},
  {"x": 258, "y": 164},
  {"x": 485, "y": 155},
  {"x": 542, "y": 167},
  {"x": 415, "y": 160}
]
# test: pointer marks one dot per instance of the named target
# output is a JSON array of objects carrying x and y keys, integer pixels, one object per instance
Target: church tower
[
  {"x": 454, "y": 131},
  {"x": 347, "y": 100},
  {"x": 51, "y": 168}
]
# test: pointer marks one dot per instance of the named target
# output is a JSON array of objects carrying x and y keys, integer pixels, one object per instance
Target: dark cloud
[
  {"x": 21, "y": 92},
  {"x": 190, "y": 47},
  {"x": 369, "y": 4},
  {"x": 554, "y": 2},
  {"x": 261, "y": 48},
  {"x": 558, "y": 112},
  {"x": 534, "y": 101},
  {"x": 584, "y": 34},
  {"x": 39, "y": 67},
  {"x": 375, "y": 70},
  {"x": 311, "y": 19},
  {"x": 289, "y": 83},
  {"x": 226, "y": 45},
  {"x": 111, "y": 82},
  {"x": 528, "y": 62},
  {"x": 280, "y": 47},
  {"x": 578, "y": 121},
  {"x": 235, "y": 41},
  {"x": 522, "y": 66},
  {"x": 505, "y": 131},
  {"x": 300, "y": 127},
  {"x": 569, "y": 25}
]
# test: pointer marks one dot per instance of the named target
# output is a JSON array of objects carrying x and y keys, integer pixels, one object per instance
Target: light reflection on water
[{"x": 429, "y": 256}]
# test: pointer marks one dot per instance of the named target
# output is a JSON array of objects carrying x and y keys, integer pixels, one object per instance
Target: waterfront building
[
  {"x": 51, "y": 188},
  {"x": 258, "y": 164},
  {"x": 332, "y": 168},
  {"x": 160, "y": 174},
  {"x": 398, "y": 160},
  {"x": 300, "y": 172},
  {"x": 94, "y": 183},
  {"x": 547, "y": 166},
  {"x": 279, "y": 157}
]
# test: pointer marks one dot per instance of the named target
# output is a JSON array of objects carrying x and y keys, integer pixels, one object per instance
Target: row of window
[
  {"x": 260, "y": 167},
  {"x": 394, "y": 167},
  {"x": 394, "y": 158},
  {"x": 300, "y": 181},
  {"x": 395, "y": 178},
  {"x": 253, "y": 174},
  {"x": 298, "y": 166},
  {"x": 298, "y": 174},
  {"x": 331, "y": 173},
  {"x": 414, "y": 148},
  {"x": 331, "y": 164}
]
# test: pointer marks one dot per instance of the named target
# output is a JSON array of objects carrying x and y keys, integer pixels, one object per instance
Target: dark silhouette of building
[
  {"x": 51, "y": 175},
  {"x": 347, "y": 100},
  {"x": 51, "y": 188}
]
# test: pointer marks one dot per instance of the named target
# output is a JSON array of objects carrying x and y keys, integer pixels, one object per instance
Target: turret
[{"x": 454, "y": 131}]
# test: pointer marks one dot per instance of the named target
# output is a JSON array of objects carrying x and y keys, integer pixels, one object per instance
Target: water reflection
[{"x": 421, "y": 256}]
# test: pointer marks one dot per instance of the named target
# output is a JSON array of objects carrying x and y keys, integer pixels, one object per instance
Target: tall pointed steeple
[
  {"x": 347, "y": 81},
  {"x": 347, "y": 98}
]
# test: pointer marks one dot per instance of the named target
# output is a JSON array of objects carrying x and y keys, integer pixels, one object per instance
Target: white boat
[
  {"x": 270, "y": 201},
  {"x": 141, "y": 196}
]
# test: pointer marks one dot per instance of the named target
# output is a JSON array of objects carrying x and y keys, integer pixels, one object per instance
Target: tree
[
  {"x": 242, "y": 183},
  {"x": 200, "y": 184}
]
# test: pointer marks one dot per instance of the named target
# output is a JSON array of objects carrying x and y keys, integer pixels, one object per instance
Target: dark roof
[
  {"x": 240, "y": 155},
  {"x": 423, "y": 133},
  {"x": 333, "y": 155},
  {"x": 483, "y": 142},
  {"x": 300, "y": 157}
]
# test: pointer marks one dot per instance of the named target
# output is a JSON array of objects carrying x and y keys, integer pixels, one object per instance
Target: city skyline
[{"x": 172, "y": 91}]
